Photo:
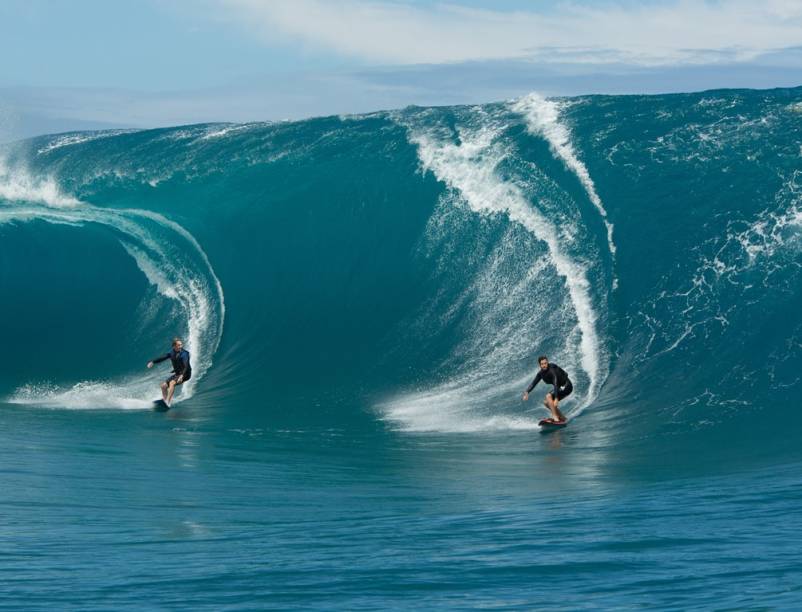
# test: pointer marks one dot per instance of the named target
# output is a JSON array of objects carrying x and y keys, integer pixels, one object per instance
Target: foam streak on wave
[{"x": 543, "y": 119}]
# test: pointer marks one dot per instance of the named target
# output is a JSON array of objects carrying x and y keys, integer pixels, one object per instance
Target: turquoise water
[{"x": 363, "y": 298}]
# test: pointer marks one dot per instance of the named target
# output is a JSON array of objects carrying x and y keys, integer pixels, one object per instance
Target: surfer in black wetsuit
[
  {"x": 182, "y": 370},
  {"x": 552, "y": 374}
]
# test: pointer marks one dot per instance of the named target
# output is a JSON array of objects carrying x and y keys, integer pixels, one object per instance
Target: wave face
[{"x": 420, "y": 260}]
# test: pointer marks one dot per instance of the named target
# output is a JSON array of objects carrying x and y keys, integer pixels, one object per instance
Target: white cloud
[{"x": 651, "y": 34}]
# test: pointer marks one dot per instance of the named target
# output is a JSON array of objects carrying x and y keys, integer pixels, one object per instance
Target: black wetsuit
[
  {"x": 181, "y": 365},
  {"x": 554, "y": 375}
]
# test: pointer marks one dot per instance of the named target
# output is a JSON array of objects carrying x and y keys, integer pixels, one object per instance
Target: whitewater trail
[
  {"x": 543, "y": 119},
  {"x": 470, "y": 168},
  {"x": 167, "y": 254}
]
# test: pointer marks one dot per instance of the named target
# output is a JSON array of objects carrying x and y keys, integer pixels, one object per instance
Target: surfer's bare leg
[
  {"x": 560, "y": 415},
  {"x": 549, "y": 403},
  {"x": 170, "y": 390},
  {"x": 164, "y": 391}
]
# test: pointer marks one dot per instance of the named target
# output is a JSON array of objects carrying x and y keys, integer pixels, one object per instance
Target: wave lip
[{"x": 67, "y": 140}]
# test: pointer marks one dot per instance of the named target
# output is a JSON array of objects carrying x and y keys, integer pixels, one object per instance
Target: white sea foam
[
  {"x": 470, "y": 169},
  {"x": 748, "y": 254},
  {"x": 219, "y": 131},
  {"x": 771, "y": 232},
  {"x": 19, "y": 185},
  {"x": 543, "y": 119},
  {"x": 445, "y": 412},
  {"x": 87, "y": 395},
  {"x": 171, "y": 260},
  {"x": 67, "y": 140}
]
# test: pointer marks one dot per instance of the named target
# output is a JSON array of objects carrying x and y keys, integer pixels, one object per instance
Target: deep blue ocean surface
[{"x": 364, "y": 298}]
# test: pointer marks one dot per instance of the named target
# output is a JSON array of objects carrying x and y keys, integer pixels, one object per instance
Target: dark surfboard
[
  {"x": 551, "y": 425},
  {"x": 160, "y": 406}
]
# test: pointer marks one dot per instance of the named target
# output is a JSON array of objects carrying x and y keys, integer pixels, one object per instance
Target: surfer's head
[
  {"x": 178, "y": 344},
  {"x": 543, "y": 362}
]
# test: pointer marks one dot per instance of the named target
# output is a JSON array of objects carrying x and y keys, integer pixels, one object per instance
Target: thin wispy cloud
[{"x": 650, "y": 34}]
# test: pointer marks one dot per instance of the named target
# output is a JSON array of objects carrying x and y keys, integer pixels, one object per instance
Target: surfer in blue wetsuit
[
  {"x": 182, "y": 370},
  {"x": 552, "y": 374}
]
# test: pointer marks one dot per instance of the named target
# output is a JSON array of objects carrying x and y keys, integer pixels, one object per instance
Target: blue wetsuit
[{"x": 181, "y": 365}]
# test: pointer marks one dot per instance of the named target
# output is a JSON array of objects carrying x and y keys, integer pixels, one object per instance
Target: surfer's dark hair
[{"x": 541, "y": 358}]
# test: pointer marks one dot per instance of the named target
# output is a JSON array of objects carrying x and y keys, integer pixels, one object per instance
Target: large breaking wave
[{"x": 421, "y": 259}]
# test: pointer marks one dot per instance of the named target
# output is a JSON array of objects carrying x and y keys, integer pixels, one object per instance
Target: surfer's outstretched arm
[
  {"x": 164, "y": 357},
  {"x": 532, "y": 386}
]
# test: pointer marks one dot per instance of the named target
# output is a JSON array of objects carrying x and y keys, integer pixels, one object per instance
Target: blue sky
[{"x": 91, "y": 63}]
